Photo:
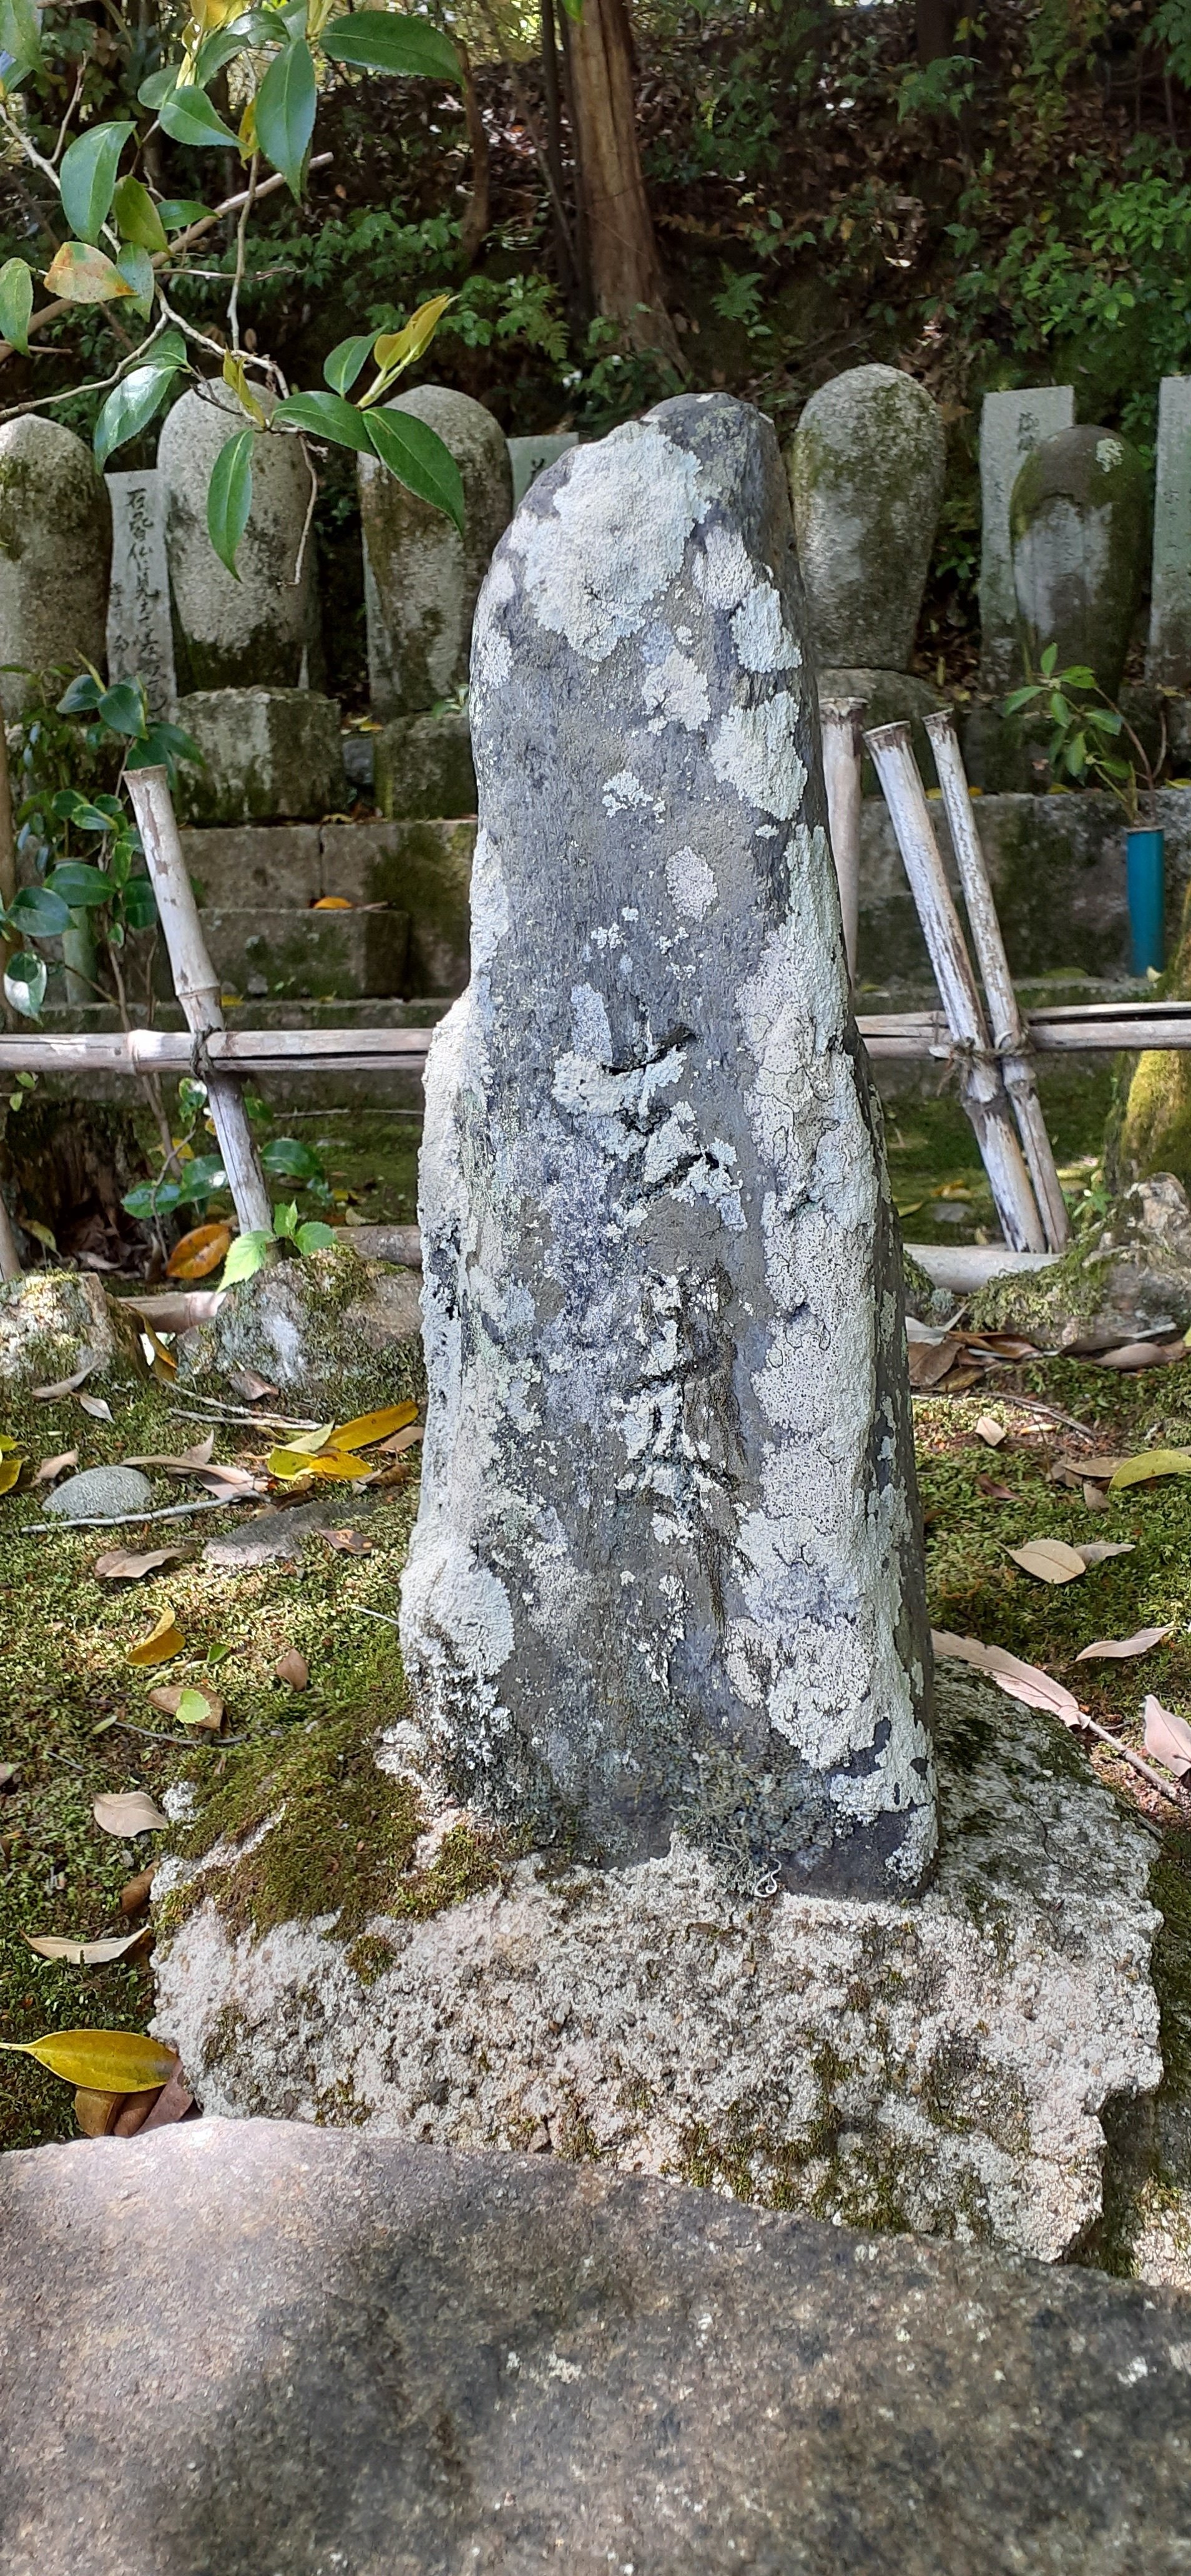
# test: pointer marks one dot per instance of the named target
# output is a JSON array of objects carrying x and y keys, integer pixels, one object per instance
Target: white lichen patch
[
  {"x": 938, "y": 2065},
  {"x": 587, "y": 571},
  {"x": 754, "y": 751},
  {"x": 690, "y": 883},
  {"x": 675, "y": 692}
]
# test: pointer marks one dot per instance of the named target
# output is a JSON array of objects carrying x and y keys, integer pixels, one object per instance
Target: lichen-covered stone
[
  {"x": 667, "y": 1574},
  {"x": 939, "y": 2065},
  {"x": 1079, "y": 526},
  {"x": 268, "y": 756},
  {"x": 341, "y": 1333},
  {"x": 421, "y": 578},
  {"x": 424, "y": 768},
  {"x": 55, "y": 557},
  {"x": 52, "y": 1320},
  {"x": 258, "y": 629},
  {"x": 1012, "y": 424},
  {"x": 1126, "y": 1280},
  {"x": 866, "y": 467}
]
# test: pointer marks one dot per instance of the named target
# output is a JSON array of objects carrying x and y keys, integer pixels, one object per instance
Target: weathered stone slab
[
  {"x": 140, "y": 637},
  {"x": 421, "y": 578},
  {"x": 1078, "y": 523},
  {"x": 276, "y": 953},
  {"x": 275, "y": 2351},
  {"x": 53, "y": 1320},
  {"x": 866, "y": 468},
  {"x": 530, "y": 457},
  {"x": 666, "y": 1578},
  {"x": 1168, "y": 660},
  {"x": 939, "y": 2064},
  {"x": 55, "y": 556},
  {"x": 269, "y": 756},
  {"x": 424, "y": 768},
  {"x": 270, "y": 867},
  {"x": 257, "y": 629},
  {"x": 1012, "y": 425}
]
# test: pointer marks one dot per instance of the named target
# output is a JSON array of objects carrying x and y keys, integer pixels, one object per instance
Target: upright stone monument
[
  {"x": 648, "y": 1865},
  {"x": 1079, "y": 522},
  {"x": 246, "y": 647},
  {"x": 666, "y": 1577},
  {"x": 530, "y": 457},
  {"x": 55, "y": 555},
  {"x": 139, "y": 632},
  {"x": 866, "y": 468},
  {"x": 1168, "y": 660},
  {"x": 421, "y": 578},
  {"x": 1012, "y": 425},
  {"x": 254, "y": 629}
]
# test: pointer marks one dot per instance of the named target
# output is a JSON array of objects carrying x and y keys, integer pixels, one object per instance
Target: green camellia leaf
[
  {"x": 417, "y": 457},
  {"x": 326, "y": 416},
  {"x": 24, "y": 984},
  {"x": 38, "y": 914},
  {"x": 187, "y": 116},
  {"x": 128, "y": 410},
  {"x": 347, "y": 360},
  {"x": 178, "y": 213},
  {"x": 123, "y": 708},
  {"x": 156, "y": 88},
  {"x": 87, "y": 178},
  {"x": 69, "y": 806},
  {"x": 16, "y": 303},
  {"x": 82, "y": 887},
  {"x": 200, "y": 1176},
  {"x": 285, "y": 1158},
  {"x": 248, "y": 1254},
  {"x": 80, "y": 274},
  {"x": 163, "y": 745},
  {"x": 285, "y": 105},
  {"x": 378, "y": 40},
  {"x": 148, "y": 1200},
  {"x": 20, "y": 40},
  {"x": 229, "y": 497},
  {"x": 82, "y": 694},
  {"x": 135, "y": 265},
  {"x": 137, "y": 216}
]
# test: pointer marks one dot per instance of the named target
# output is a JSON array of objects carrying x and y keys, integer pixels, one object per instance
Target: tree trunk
[
  {"x": 934, "y": 30},
  {"x": 626, "y": 273},
  {"x": 478, "y": 213}
]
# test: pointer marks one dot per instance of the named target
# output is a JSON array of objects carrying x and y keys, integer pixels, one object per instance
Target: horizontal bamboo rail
[{"x": 1082, "y": 1028}]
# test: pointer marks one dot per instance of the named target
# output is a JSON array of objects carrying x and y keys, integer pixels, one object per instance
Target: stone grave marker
[
  {"x": 666, "y": 1575},
  {"x": 1078, "y": 521},
  {"x": 1168, "y": 660},
  {"x": 866, "y": 477},
  {"x": 421, "y": 578},
  {"x": 530, "y": 457},
  {"x": 1011, "y": 426},
  {"x": 139, "y": 634},
  {"x": 255, "y": 630},
  {"x": 55, "y": 555}
]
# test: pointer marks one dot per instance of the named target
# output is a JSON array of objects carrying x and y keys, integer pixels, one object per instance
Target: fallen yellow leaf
[
  {"x": 105, "y": 2061},
  {"x": 162, "y": 1642},
  {"x": 1148, "y": 1464},
  {"x": 10, "y": 1473},
  {"x": 369, "y": 1427},
  {"x": 285, "y": 1464}
]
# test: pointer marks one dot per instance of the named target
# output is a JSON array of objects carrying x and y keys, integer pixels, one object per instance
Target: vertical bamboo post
[
  {"x": 842, "y": 762},
  {"x": 197, "y": 988},
  {"x": 1008, "y": 1028},
  {"x": 981, "y": 1087}
]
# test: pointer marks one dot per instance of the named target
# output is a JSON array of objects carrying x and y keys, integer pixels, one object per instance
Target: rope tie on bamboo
[
  {"x": 201, "y": 1067},
  {"x": 959, "y": 1054}
]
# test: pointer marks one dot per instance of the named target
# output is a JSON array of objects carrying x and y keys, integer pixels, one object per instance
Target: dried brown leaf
[
  {"x": 1049, "y": 1560},
  {"x": 1096, "y": 1499},
  {"x": 1167, "y": 1737},
  {"x": 178, "y": 1462},
  {"x": 67, "y": 1385},
  {"x": 1142, "y": 1355},
  {"x": 930, "y": 1361},
  {"x": 994, "y": 1493},
  {"x": 349, "y": 1542},
  {"x": 251, "y": 1385},
  {"x": 1026, "y": 1682},
  {"x": 403, "y": 1440},
  {"x": 51, "y": 1467},
  {"x": 162, "y": 1643},
  {"x": 174, "y": 2102},
  {"x": 1096, "y": 1551},
  {"x": 85, "y": 1954},
  {"x": 293, "y": 1668},
  {"x": 128, "y": 1812},
  {"x": 991, "y": 1431},
  {"x": 1121, "y": 1649},
  {"x": 134, "y": 1895},
  {"x": 190, "y": 1702},
  {"x": 97, "y": 1406},
  {"x": 123, "y": 1565}
]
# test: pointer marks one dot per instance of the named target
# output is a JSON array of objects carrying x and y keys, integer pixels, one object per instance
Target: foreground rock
[
  {"x": 1129, "y": 1281},
  {"x": 340, "y": 1334},
  {"x": 666, "y": 1579},
  {"x": 263, "y": 2351},
  {"x": 940, "y": 2064},
  {"x": 56, "y": 1322}
]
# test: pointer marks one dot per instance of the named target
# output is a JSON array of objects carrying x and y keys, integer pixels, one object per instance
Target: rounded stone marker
[
  {"x": 55, "y": 556},
  {"x": 228, "y": 633},
  {"x": 866, "y": 466},
  {"x": 100, "y": 1493},
  {"x": 1079, "y": 524},
  {"x": 421, "y": 578}
]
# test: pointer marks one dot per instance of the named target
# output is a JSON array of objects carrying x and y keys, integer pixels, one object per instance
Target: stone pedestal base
[
  {"x": 269, "y": 756},
  {"x": 423, "y": 769},
  {"x": 938, "y": 2065}
]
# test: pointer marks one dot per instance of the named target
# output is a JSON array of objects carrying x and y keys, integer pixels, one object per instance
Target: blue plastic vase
[{"x": 1145, "y": 879}]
